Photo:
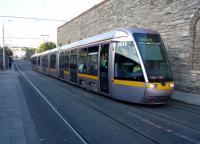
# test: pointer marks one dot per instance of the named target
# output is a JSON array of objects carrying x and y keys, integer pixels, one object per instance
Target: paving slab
[{"x": 16, "y": 124}]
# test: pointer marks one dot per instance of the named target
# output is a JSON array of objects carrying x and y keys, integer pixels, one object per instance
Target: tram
[{"x": 128, "y": 64}]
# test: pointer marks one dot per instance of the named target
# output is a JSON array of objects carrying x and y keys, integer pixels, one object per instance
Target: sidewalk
[
  {"x": 16, "y": 123},
  {"x": 186, "y": 97}
]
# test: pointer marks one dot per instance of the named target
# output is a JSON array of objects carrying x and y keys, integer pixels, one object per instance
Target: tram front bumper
[{"x": 158, "y": 93}]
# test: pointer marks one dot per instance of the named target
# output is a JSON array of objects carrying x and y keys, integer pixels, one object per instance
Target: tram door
[
  {"x": 104, "y": 58},
  {"x": 61, "y": 65},
  {"x": 73, "y": 66}
]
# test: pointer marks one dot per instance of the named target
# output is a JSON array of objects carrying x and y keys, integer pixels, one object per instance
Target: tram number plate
[{"x": 122, "y": 44}]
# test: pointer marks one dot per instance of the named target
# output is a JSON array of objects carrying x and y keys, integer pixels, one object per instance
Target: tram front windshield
[{"x": 154, "y": 57}]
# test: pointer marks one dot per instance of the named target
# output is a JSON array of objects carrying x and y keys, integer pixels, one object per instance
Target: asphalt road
[{"x": 64, "y": 113}]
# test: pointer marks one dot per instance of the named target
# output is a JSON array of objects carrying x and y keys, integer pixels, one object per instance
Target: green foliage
[{"x": 46, "y": 46}]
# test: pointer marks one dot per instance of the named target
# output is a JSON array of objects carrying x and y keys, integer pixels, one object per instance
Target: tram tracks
[
  {"x": 185, "y": 107},
  {"x": 163, "y": 116},
  {"x": 60, "y": 115},
  {"x": 172, "y": 121},
  {"x": 107, "y": 114},
  {"x": 115, "y": 118},
  {"x": 145, "y": 135},
  {"x": 151, "y": 123},
  {"x": 148, "y": 122}
]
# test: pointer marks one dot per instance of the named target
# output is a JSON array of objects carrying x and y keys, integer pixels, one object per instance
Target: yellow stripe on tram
[
  {"x": 128, "y": 83},
  {"x": 66, "y": 72},
  {"x": 159, "y": 86},
  {"x": 88, "y": 76},
  {"x": 51, "y": 69}
]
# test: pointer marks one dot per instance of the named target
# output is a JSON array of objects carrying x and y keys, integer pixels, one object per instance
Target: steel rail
[{"x": 55, "y": 110}]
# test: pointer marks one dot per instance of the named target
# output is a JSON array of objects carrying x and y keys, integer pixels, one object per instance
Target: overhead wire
[
  {"x": 22, "y": 38},
  {"x": 41, "y": 8},
  {"x": 32, "y": 18}
]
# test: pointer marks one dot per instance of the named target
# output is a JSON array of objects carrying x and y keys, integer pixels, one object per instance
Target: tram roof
[
  {"x": 54, "y": 50},
  {"x": 120, "y": 32},
  {"x": 89, "y": 40},
  {"x": 45, "y": 52},
  {"x": 35, "y": 55}
]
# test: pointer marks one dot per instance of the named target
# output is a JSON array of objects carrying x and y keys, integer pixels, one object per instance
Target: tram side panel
[{"x": 124, "y": 86}]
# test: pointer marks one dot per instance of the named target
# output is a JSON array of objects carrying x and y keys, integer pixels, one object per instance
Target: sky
[{"x": 33, "y": 32}]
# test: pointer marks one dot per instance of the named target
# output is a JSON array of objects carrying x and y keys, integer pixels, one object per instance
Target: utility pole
[
  {"x": 4, "y": 48},
  {"x": 4, "y": 55}
]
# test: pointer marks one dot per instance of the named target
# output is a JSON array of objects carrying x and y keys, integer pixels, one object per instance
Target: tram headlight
[
  {"x": 171, "y": 85},
  {"x": 151, "y": 85}
]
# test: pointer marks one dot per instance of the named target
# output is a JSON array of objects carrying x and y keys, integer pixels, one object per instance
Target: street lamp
[{"x": 3, "y": 44}]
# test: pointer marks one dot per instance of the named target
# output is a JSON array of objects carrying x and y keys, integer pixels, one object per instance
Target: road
[{"x": 64, "y": 113}]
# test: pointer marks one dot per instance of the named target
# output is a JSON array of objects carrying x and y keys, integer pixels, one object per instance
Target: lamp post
[
  {"x": 3, "y": 44},
  {"x": 4, "y": 57}
]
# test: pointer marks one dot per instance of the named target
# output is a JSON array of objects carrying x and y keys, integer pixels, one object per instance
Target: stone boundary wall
[{"x": 176, "y": 21}]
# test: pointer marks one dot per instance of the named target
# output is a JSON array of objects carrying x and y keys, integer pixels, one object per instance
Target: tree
[{"x": 46, "y": 46}]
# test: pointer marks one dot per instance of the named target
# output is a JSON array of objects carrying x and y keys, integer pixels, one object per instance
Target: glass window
[
  {"x": 73, "y": 59},
  {"x": 154, "y": 56},
  {"x": 66, "y": 58},
  {"x": 53, "y": 61},
  {"x": 82, "y": 60},
  {"x": 38, "y": 60},
  {"x": 104, "y": 57},
  {"x": 44, "y": 61},
  {"x": 93, "y": 60},
  {"x": 127, "y": 65},
  {"x": 33, "y": 60},
  {"x": 61, "y": 60}
]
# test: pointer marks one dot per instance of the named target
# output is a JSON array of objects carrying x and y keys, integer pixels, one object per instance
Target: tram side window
[
  {"x": 42, "y": 61},
  {"x": 38, "y": 60},
  {"x": 66, "y": 60},
  {"x": 82, "y": 60},
  {"x": 93, "y": 60},
  {"x": 61, "y": 58},
  {"x": 53, "y": 61},
  {"x": 32, "y": 61},
  {"x": 46, "y": 61},
  {"x": 73, "y": 59},
  {"x": 127, "y": 65}
]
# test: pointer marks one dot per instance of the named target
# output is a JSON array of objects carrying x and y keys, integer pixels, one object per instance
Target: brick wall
[{"x": 177, "y": 21}]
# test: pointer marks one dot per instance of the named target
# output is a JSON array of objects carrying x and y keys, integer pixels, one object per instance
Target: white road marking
[{"x": 164, "y": 129}]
